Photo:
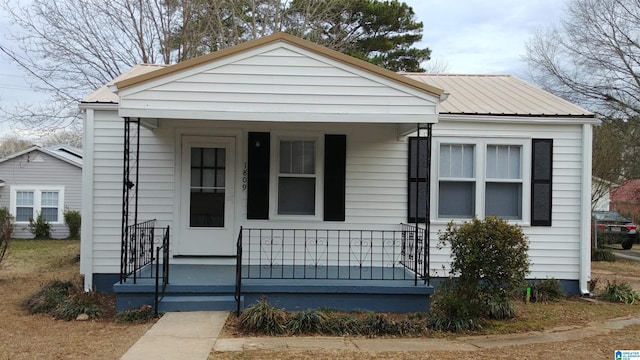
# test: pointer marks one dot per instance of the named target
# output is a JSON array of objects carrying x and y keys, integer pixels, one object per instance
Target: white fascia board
[
  {"x": 378, "y": 118},
  {"x": 559, "y": 120}
]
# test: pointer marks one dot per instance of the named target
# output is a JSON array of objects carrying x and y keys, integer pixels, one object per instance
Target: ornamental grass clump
[
  {"x": 620, "y": 292},
  {"x": 263, "y": 318},
  {"x": 546, "y": 290},
  {"x": 488, "y": 269}
]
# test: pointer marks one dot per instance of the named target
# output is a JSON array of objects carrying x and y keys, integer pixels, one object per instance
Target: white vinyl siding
[
  {"x": 555, "y": 250},
  {"x": 278, "y": 82}
]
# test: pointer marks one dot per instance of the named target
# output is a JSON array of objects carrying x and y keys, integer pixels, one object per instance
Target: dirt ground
[{"x": 24, "y": 336}]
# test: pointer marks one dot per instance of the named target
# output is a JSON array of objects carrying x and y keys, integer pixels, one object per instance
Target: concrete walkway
[
  {"x": 179, "y": 335},
  {"x": 193, "y": 335}
]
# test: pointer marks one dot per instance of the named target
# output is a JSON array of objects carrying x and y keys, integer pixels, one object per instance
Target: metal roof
[
  {"x": 497, "y": 95},
  {"x": 105, "y": 95},
  {"x": 493, "y": 95}
]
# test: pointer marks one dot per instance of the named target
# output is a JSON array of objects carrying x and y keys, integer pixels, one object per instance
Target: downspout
[
  {"x": 86, "y": 230},
  {"x": 585, "y": 214}
]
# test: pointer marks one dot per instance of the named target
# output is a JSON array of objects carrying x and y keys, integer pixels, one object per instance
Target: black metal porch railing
[
  {"x": 238, "y": 271},
  {"x": 162, "y": 271},
  {"x": 138, "y": 251},
  {"x": 333, "y": 254},
  {"x": 415, "y": 251}
]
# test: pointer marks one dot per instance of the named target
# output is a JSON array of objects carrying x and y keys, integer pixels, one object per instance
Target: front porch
[{"x": 294, "y": 269}]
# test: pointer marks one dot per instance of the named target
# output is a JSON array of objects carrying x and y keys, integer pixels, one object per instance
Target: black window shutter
[
  {"x": 335, "y": 163},
  {"x": 258, "y": 175},
  {"x": 541, "y": 184},
  {"x": 417, "y": 180}
]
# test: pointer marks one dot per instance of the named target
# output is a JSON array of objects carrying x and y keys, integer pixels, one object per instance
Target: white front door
[{"x": 207, "y": 196}]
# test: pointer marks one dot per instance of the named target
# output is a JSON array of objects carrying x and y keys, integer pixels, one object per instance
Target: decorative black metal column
[
  {"x": 427, "y": 201},
  {"x": 427, "y": 215},
  {"x": 130, "y": 167}
]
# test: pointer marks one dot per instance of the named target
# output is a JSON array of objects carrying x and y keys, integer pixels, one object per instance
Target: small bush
[
  {"x": 48, "y": 298},
  {"x": 79, "y": 302},
  {"x": 73, "y": 220},
  {"x": 376, "y": 324},
  {"x": 307, "y": 322},
  {"x": 602, "y": 255},
  {"x": 40, "y": 227},
  {"x": 546, "y": 290},
  {"x": 501, "y": 310},
  {"x": 140, "y": 315},
  {"x": 489, "y": 265},
  {"x": 439, "y": 322},
  {"x": 6, "y": 230},
  {"x": 620, "y": 292},
  {"x": 263, "y": 318},
  {"x": 343, "y": 325}
]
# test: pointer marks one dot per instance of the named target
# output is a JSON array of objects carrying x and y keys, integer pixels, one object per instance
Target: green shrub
[
  {"x": 140, "y": 315},
  {"x": 343, "y": 325},
  {"x": 489, "y": 265},
  {"x": 546, "y": 290},
  {"x": 48, "y": 298},
  {"x": 307, "y": 322},
  {"x": 73, "y": 221},
  {"x": 79, "y": 302},
  {"x": 376, "y": 324},
  {"x": 620, "y": 292},
  {"x": 6, "y": 230},
  {"x": 602, "y": 255},
  {"x": 263, "y": 318},
  {"x": 40, "y": 227}
]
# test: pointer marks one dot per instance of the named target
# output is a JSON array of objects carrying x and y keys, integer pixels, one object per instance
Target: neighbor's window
[
  {"x": 24, "y": 206},
  {"x": 49, "y": 205},
  {"x": 457, "y": 183},
  {"x": 27, "y": 202},
  {"x": 297, "y": 177}
]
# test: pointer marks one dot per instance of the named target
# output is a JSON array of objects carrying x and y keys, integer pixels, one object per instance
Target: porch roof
[{"x": 275, "y": 78}]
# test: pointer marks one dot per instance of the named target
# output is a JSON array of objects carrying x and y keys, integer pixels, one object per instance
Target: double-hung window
[
  {"x": 457, "y": 184},
  {"x": 297, "y": 177},
  {"x": 29, "y": 201},
  {"x": 503, "y": 186},
  {"x": 482, "y": 178}
]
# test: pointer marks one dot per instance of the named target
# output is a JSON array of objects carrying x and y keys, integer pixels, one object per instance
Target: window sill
[{"x": 520, "y": 223}]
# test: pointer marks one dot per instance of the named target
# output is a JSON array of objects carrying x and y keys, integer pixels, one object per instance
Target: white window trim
[
  {"x": 37, "y": 200},
  {"x": 274, "y": 173},
  {"x": 480, "y": 175}
]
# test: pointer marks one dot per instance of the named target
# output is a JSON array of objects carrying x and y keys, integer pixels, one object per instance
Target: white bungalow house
[
  {"x": 281, "y": 168},
  {"x": 44, "y": 181}
]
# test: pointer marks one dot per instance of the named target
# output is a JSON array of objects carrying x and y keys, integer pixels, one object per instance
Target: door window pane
[{"x": 207, "y": 199}]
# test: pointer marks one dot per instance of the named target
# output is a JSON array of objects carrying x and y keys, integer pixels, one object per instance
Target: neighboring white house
[
  {"x": 252, "y": 136},
  {"x": 41, "y": 180},
  {"x": 601, "y": 194}
]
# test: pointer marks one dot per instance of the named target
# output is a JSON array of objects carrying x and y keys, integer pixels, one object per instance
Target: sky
[{"x": 469, "y": 36}]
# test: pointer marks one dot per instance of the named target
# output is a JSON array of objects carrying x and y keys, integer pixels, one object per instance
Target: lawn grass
[{"x": 28, "y": 265}]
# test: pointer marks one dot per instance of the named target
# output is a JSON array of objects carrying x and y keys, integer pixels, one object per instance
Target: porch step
[{"x": 199, "y": 303}]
